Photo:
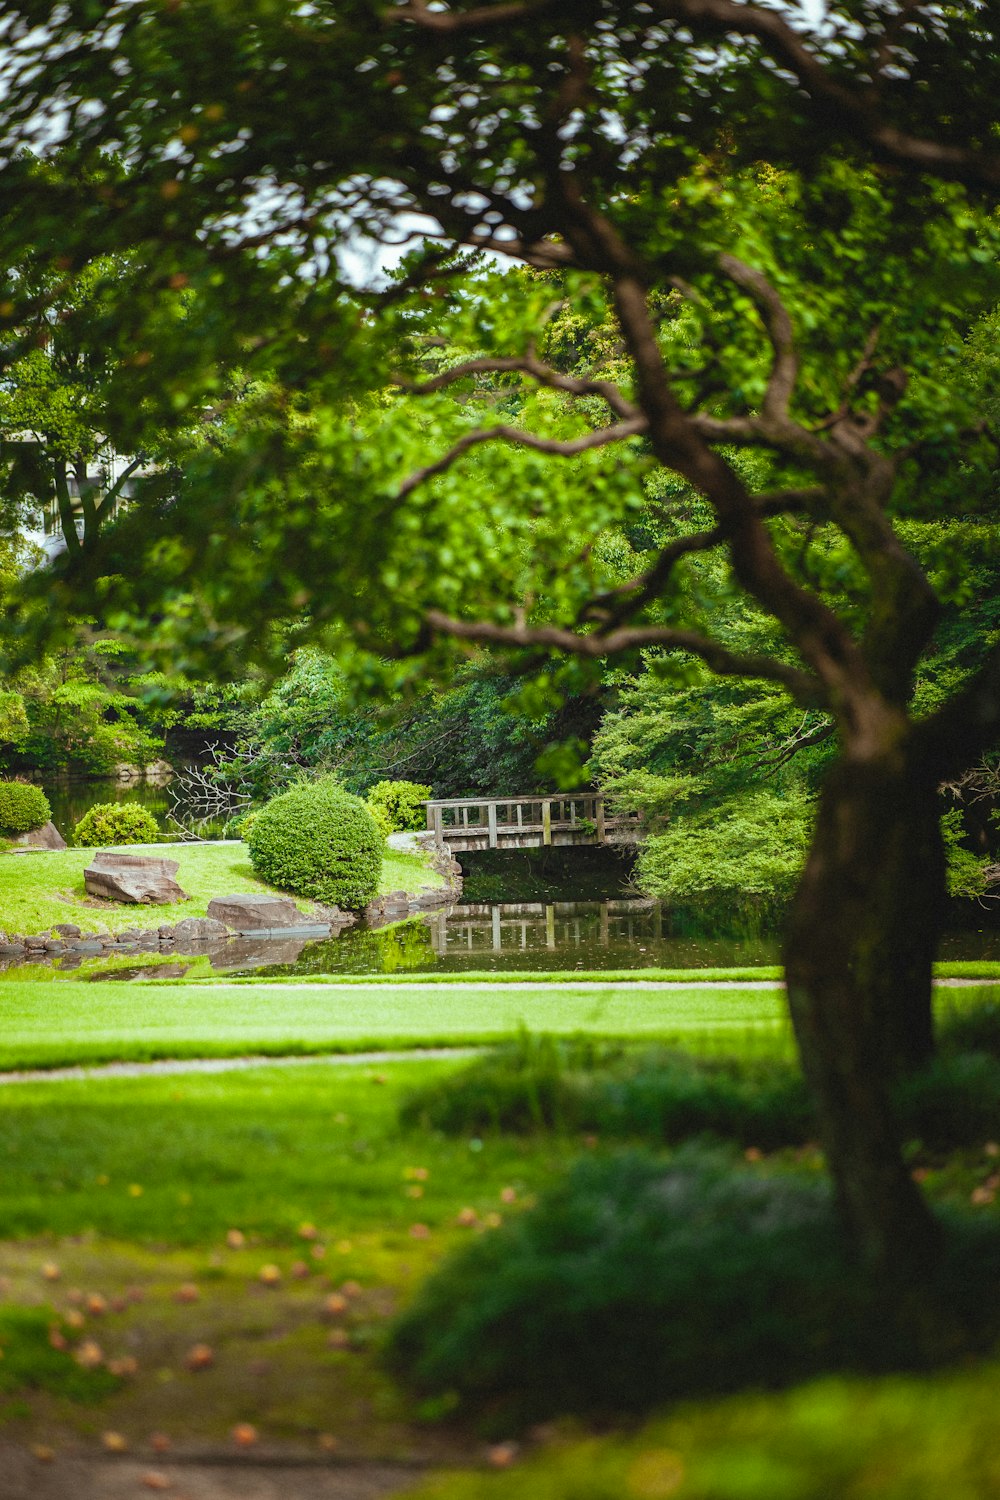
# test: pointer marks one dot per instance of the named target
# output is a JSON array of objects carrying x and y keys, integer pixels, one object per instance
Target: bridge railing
[{"x": 507, "y": 822}]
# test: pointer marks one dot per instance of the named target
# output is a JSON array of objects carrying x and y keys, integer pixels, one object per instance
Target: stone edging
[{"x": 193, "y": 933}]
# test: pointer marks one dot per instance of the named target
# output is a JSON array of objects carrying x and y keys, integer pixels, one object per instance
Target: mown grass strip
[
  {"x": 952, "y": 969},
  {"x": 46, "y": 1025}
]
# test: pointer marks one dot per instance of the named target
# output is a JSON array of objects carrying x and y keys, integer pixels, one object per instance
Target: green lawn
[
  {"x": 263, "y": 1150},
  {"x": 166, "y": 1197},
  {"x": 47, "y": 1025},
  {"x": 44, "y": 887}
]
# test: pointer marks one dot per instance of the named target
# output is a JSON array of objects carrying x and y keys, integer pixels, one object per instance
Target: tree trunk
[{"x": 859, "y": 948}]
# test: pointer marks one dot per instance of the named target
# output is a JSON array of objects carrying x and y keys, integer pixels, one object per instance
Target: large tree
[{"x": 607, "y": 145}]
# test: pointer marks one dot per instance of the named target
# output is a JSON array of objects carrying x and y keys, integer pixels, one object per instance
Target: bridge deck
[{"x": 526, "y": 822}]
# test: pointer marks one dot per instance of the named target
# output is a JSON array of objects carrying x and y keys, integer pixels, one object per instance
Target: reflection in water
[{"x": 625, "y": 934}]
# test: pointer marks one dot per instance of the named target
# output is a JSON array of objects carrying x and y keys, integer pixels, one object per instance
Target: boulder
[
  {"x": 251, "y": 913},
  {"x": 140, "y": 879},
  {"x": 46, "y": 837},
  {"x": 199, "y": 930}
]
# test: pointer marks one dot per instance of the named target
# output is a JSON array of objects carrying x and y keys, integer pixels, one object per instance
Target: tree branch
[
  {"x": 778, "y": 324},
  {"x": 857, "y": 106},
  {"x": 803, "y": 687},
  {"x": 418, "y": 13},
  {"x": 528, "y": 364},
  {"x": 554, "y": 446}
]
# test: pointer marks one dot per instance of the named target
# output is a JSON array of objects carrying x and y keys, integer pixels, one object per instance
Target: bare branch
[
  {"x": 528, "y": 364},
  {"x": 804, "y": 688},
  {"x": 560, "y": 449},
  {"x": 779, "y": 755},
  {"x": 778, "y": 323}
]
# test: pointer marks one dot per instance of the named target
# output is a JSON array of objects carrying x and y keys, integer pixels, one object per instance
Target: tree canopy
[{"x": 728, "y": 366}]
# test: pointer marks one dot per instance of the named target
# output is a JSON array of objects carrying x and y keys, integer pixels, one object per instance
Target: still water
[{"x": 556, "y": 909}]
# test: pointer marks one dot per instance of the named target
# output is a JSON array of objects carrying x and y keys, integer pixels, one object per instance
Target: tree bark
[{"x": 859, "y": 948}]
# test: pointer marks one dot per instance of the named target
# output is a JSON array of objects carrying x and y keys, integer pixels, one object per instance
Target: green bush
[
  {"x": 665, "y": 1095},
  {"x": 636, "y": 1280},
  {"x": 744, "y": 856},
  {"x": 318, "y": 840},
  {"x": 116, "y": 823},
  {"x": 22, "y": 807},
  {"x": 398, "y": 804}
]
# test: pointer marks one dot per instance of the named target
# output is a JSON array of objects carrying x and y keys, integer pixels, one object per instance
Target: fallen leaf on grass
[
  {"x": 328, "y": 1442},
  {"x": 466, "y": 1217},
  {"x": 57, "y": 1339},
  {"x": 419, "y": 1232},
  {"x": 159, "y": 1442},
  {"x": 508, "y": 1195},
  {"x": 335, "y": 1305},
  {"x": 351, "y": 1289},
  {"x": 75, "y": 1318},
  {"x": 51, "y": 1271},
  {"x": 96, "y": 1305},
  {"x": 114, "y": 1442},
  {"x": 89, "y": 1355},
  {"x": 154, "y": 1480},
  {"x": 235, "y": 1239},
  {"x": 338, "y": 1338},
  {"x": 501, "y": 1455},
  {"x": 308, "y": 1231},
  {"x": 270, "y": 1275},
  {"x": 200, "y": 1357},
  {"x": 244, "y": 1434},
  {"x": 300, "y": 1270},
  {"x": 44, "y": 1454},
  {"x": 124, "y": 1367},
  {"x": 187, "y": 1292}
]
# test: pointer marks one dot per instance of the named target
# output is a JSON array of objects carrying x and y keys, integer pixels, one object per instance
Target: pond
[
  {"x": 525, "y": 909},
  {"x": 69, "y": 801}
]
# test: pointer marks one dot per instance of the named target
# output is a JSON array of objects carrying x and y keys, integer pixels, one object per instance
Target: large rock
[
  {"x": 199, "y": 930},
  {"x": 250, "y": 913},
  {"x": 46, "y": 837},
  {"x": 141, "y": 879}
]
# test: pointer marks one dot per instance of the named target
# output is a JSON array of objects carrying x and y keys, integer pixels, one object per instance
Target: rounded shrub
[
  {"x": 116, "y": 823},
  {"x": 22, "y": 807},
  {"x": 318, "y": 840},
  {"x": 398, "y": 805}
]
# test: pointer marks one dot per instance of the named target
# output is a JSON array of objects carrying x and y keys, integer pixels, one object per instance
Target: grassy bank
[{"x": 41, "y": 888}]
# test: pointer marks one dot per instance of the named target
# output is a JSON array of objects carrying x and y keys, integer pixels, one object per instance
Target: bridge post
[
  {"x": 599, "y": 819},
  {"x": 491, "y": 809},
  {"x": 546, "y": 822}
]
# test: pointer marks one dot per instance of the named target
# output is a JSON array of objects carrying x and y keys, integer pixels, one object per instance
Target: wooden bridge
[{"x": 465, "y": 823}]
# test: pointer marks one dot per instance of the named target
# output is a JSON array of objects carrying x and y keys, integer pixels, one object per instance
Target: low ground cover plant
[
  {"x": 636, "y": 1280},
  {"x": 116, "y": 823},
  {"x": 752, "y": 1094},
  {"x": 22, "y": 807},
  {"x": 897, "y": 1438},
  {"x": 320, "y": 841}
]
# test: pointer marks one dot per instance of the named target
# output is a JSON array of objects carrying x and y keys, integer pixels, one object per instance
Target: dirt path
[
  {"x": 274, "y": 1476},
  {"x": 168, "y": 1066}
]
